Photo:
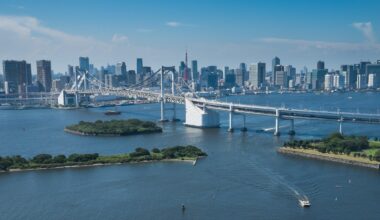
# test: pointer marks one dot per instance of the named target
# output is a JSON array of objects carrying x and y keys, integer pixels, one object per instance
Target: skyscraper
[
  {"x": 70, "y": 71},
  {"x": 44, "y": 78},
  {"x": 121, "y": 69},
  {"x": 243, "y": 68},
  {"x": 375, "y": 70},
  {"x": 17, "y": 76},
  {"x": 320, "y": 65},
  {"x": 194, "y": 68},
  {"x": 84, "y": 64},
  {"x": 139, "y": 66},
  {"x": 351, "y": 77},
  {"x": 257, "y": 75},
  {"x": 290, "y": 71},
  {"x": 275, "y": 62}
]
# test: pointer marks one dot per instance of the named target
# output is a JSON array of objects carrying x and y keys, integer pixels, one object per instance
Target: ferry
[{"x": 304, "y": 203}]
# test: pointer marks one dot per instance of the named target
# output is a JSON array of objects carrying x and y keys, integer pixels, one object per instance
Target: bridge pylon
[
  {"x": 231, "y": 112},
  {"x": 165, "y": 70},
  {"x": 277, "y": 123}
]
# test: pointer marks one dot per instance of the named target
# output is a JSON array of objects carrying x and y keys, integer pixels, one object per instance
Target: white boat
[
  {"x": 6, "y": 106},
  {"x": 304, "y": 203},
  {"x": 195, "y": 162}
]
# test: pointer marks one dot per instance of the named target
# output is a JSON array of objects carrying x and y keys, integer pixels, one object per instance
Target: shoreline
[
  {"x": 343, "y": 159},
  {"x": 70, "y": 131},
  {"x": 98, "y": 164}
]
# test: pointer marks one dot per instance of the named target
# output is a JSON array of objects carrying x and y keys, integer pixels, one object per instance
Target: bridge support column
[
  {"x": 174, "y": 104},
  {"x": 292, "y": 132},
  {"x": 277, "y": 124},
  {"x": 76, "y": 99},
  {"x": 341, "y": 126},
  {"x": 162, "y": 119},
  {"x": 230, "y": 128},
  {"x": 244, "y": 128}
]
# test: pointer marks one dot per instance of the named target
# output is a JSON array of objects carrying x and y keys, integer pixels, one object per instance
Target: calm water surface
[{"x": 243, "y": 177}]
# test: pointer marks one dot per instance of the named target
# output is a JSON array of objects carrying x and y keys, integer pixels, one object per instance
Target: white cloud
[
  {"x": 119, "y": 38},
  {"x": 366, "y": 29},
  {"x": 23, "y": 37},
  {"x": 173, "y": 24}
]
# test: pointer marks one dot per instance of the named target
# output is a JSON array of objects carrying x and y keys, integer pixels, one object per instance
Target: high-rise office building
[
  {"x": 139, "y": 66},
  {"x": 131, "y": 77},
  {"x": 70, "y": 71},
  {"x": 230, "y": 79},
  {"x": 361, "y": 81},
  {"x": 44, "y": 77},
  {"x": 257, "y": 75},
  {"x": 351, "y": 76},
  {"x": 281, "y": 78},
  {"x": 290, "y": 71},
  {"x": 243, "y": 68},
  {"x": 275, "y": 62},
  {"x": 329, "y": 82},
  {"x": 374, "y": 69},
  {"x": 17, "y": 76},
  {"x": 194, "y": 70},
  {"x": 239, "y": 77},
  {"x": 121, "y": 69},
  {"x": 320, "y": 65},
  {"x": 372, "y": 82},
  {"x": 84, "y": 64},
  {"x": 338, "y": 81}
]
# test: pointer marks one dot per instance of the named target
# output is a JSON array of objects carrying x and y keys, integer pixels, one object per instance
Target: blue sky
[{"x": 215, "y": 32}]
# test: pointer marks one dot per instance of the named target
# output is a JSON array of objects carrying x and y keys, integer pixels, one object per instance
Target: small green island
[
  {"x": 355, "y": 150},
  {"x": 47, "y": 161},
  {"x": 113, "y": 128}
]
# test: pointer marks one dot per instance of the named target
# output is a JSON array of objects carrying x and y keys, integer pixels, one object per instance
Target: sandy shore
[
  {"x": 98, "y": 164},
  {"x": 339, "y": 158}
]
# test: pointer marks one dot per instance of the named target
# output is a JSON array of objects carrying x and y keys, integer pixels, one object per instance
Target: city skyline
[{"x": 219, "y": 34}]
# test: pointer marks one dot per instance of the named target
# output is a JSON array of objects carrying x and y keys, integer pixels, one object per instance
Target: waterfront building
[
  {"x": 372, "y": 81},
  {"x": 257, "y": 75},
  {"x": 230, "y": 79},
  {"x": 17, "y": 76},
  {"x": 351, "y": 76},
  {"x": 84, "y": 64},
  {"x": 374, "y": 69},
  {"x": 361, "y": 81},
  {"x": 338, "y": 81},
  {"x": 281, "y": 79},
  {"x": 44, "y": 75},
  {"x": 239, "y": 77},
  {"x": 291, "y": 84},
  {"x": 328, "y": 82},
  {"x": 363, "y": 68}
]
